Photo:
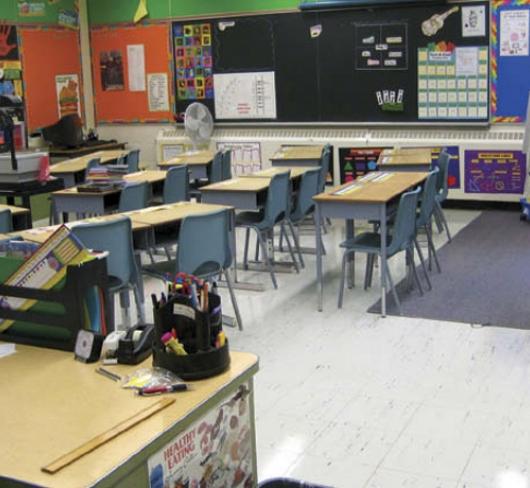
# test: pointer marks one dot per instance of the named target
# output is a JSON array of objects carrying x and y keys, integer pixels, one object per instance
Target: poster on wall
[
  {"x": 216, "y": 450},
  {"x": 136, "y": 67},
  {"x": 31, "y": 8},
  {"x": 157, "y": 93},
  {"x": 474, "y": 21},
  {"x": 453, "y": 176},
  {"x": 452, "y": 82},
  {"x": 495, "y": 171},
  {"x": 111, "y": 69},
  {"x": 245, "y": 156},
  {"x": 67, "y": 89},
  {"x": 193, "y": 61},
  {"x": 8, "y": 42},
  {"x": 355, "y": 162},
  {"x": 514, "y": 32},
  {"x": 245, "y": 95},
  {"x": 10, "y": 65}
]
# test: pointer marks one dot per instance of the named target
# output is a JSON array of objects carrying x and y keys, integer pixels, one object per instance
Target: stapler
[{"x": 136, "y": 345}]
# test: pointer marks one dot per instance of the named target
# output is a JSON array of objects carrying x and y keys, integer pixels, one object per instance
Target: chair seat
[
  {"x": 251, "y": 219},
  {"x": 168, "y": 267},
  {"x": 367, "y": 242}
]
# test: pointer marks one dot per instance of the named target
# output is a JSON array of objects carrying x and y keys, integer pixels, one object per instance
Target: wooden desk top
[
  {"x": 14, "y": 210},
  {"x": 239, "y": 184},
  {"x": 150, "y": 175},
  {"x": 79, "y": 164},
  {"x": 375, "y": 187},
  {"x": 415, "y": 156},
  {"x": 41, "y": 234},
  {"x": 81, "y": 151},
  {"x": 198, "y": 158},
  {"x": 296, "y": 172},
  {"x": 166, "y": 214},
  {"x": 299, "y": 152},
  {"x": 51, "y": 404}
]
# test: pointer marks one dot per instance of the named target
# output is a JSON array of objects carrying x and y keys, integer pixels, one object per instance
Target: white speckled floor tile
[{"x": 390, "y": 478}]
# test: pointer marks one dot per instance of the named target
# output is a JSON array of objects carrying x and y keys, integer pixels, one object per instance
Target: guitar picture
[{"x": 431, "y": 26}]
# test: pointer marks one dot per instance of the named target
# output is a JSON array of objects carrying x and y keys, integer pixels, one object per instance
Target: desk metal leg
[
  {"x": 318, "y": 234},
  {"x": 383, "y": 260},
  {"x": 350, "y": 233}
]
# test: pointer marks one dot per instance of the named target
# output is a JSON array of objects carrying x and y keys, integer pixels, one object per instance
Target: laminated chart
[
  {"x": 495, "y": 171},
  {"x": 452, "y": 82},
  {"x": 245, "y": 156},
  {"x": 245, "y": 95},
  {"x": 193, "y": 61}
]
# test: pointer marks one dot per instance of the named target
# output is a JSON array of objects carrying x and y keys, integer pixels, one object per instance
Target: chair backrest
[
  {"x": 404, "y": 228},
  {"x": 6, "y": 221},
  {"x": 216, "y": 169},
  {"x": 227, "y": 165},
  {"x": 309, "y": 187},
  {"x": 93, "y": 163},
  {"x": 134, "y": 196},
  {"x": 204, "y": 243},
  {"x": 278, "y": 198},
  {"x": 324, "y": 166},
  {"x": 133, "y": 161},
  {"x": 114, "y": 236},
  {"x": 442, "y": 183},
  {"x": 177, "y": 184},
  {"x": 427, "y": 199}
]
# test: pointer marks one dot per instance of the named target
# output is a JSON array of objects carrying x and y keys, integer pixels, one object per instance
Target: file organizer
[
  {"x": 54, "y": 321},
  {"x": 197, "y": 331}
]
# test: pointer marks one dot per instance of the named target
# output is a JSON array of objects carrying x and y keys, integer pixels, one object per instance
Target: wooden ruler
[{"x": 101, "y": 439}]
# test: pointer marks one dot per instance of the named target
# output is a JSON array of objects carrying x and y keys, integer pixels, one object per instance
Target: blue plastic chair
[
  {"x": 203, "y": 250},
  {"x": 115, "y": 237},
  {"x": 324, "y": 166},
  {"x": 6, "y": 221},
  {"x": 424, "y": 219},
  {"x": 442, "y": 190},
  {"x": 216, "y": 168},
  {"x": 227, "y": 165},
  {"x": 401, "y": 238},
  {"x": 93, "y": 163},
  {"x": 177, "y": 185},
  {"x": 134, "y": 196},
  {"x": 276, "y": 212},
  {"x": 133, "y": 161}
]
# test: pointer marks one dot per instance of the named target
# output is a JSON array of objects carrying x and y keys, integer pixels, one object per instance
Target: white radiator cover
[{"x": 152, "y": 138}]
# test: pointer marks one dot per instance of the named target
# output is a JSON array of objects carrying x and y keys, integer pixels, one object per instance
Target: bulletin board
[
  {"x": 352, "y": 66},
  {"x": 48, "y": 55},
  {"x": 510, "y": 60},
  {"x": 137, "y": 91}
]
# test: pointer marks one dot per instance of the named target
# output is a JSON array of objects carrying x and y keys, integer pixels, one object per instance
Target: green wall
[
  {"x": 113, "y": 11},
  {"x": 9, "y": 11}
]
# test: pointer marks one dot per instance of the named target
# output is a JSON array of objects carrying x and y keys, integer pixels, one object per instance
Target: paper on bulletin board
[
  {"x": 514, "y": 32},
  {"x": 245, "y": 95},
  {"x": 245, "y": 156},
  {"x": 474, "y": 21},
  {"x": 68, "y": 101},
  {"x": 136, "y": 67},
  {"x": 216, "y": 450},
  {"x": 31, "y": 8},
  {"x": 157, "y": 94},
  {"x": 466, "y": 61}
]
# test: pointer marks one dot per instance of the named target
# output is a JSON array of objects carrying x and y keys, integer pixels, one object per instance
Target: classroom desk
[
  {"x": 406, "y": 159},
  {"x": 365, "y": 198},
  {"x": 298, "y": 156},
  {"x": 73, "y": 170},
  {"x": 53, "y": 404},
  {"x": 21, "y": 216},
  {"x": 74, "y": 152},
  {"x": 295, "y": 172},
  {"x": 71, "y": 200},
  {"x": 242, "y": 193},
  {"x": 198, "y": 163}
]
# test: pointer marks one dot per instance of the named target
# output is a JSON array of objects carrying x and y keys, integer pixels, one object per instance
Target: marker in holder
[{"x": 197, "y": 331}]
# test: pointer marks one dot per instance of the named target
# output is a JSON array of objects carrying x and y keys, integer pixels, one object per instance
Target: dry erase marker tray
[{"x": 198, "y": 333}]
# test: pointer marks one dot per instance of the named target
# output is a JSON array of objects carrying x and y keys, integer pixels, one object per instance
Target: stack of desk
[
  {"x": 366, "y": 198},
  {"x": 406, "y": 159},
  {"x": 198, "y": 163},
  {"x": 298, "y": 156},
  {"x": 51, "y": 404}
]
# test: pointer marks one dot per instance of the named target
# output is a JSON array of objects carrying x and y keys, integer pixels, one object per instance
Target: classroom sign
[
  {"x": 214, "y": 451},
  {"x": 495, "y": 171}
]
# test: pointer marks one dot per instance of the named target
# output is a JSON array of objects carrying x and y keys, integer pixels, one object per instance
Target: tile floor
[{"x": 348, "y": 399}]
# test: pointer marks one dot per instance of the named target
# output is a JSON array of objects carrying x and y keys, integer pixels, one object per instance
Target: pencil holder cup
[{"x": 197, "y": 331}]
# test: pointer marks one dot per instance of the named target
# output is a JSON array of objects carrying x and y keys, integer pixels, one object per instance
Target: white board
[{"x": 245, "y": 95}]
